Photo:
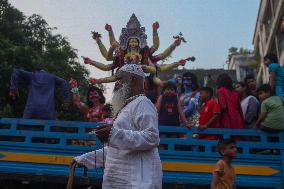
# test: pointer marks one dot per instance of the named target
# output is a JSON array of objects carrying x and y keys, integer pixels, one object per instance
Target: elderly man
[{"x": 131, "y": 158}]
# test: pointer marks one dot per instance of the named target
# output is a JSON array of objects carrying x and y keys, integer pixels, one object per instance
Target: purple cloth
[{"x": 40, "y": 102}]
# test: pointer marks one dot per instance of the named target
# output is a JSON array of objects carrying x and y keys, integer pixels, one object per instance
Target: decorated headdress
[
  {"x": 133, "y": 69},
  {"x": 133, "y": 30}
]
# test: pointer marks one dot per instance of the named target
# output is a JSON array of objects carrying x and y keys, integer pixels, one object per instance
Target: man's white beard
[{"x": 119, "y": 98}]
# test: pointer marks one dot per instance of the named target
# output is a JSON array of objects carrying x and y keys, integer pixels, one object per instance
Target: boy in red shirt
[{"x": 209, "y": 114}]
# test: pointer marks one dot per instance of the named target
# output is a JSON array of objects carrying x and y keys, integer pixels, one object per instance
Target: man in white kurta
[{"x": 132, "y": 158}]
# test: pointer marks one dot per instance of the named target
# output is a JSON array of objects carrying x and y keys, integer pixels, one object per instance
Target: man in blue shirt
[
  {"x": 276, "y": 74},
  {"x": 40, "y": 102}
]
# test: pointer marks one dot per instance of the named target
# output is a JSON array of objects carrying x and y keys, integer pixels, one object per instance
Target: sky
[{"x": 210, "y": 27}]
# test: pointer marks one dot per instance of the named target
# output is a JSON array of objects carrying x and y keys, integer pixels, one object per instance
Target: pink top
[{"x": 232, "y": 116}]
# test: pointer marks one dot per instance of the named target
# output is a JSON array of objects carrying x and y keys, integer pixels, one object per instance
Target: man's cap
[{"x": 133, "y": 69}]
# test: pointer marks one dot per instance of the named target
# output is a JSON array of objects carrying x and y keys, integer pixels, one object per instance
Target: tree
[
  {"x": 28, "y": 43},
  {"x": 236, "y": 51}
]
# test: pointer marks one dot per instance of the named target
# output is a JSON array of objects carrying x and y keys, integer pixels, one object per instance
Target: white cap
[{"x": 133, "y": 69}]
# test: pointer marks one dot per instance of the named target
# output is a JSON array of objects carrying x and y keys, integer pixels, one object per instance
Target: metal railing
[{"x": 43, "y": 149}]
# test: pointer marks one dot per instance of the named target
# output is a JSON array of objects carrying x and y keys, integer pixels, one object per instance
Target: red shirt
[{"x": 208, "y": 110}]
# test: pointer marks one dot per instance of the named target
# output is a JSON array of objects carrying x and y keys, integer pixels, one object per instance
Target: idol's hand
[
  {"x": 96, "y": 36},
  {"x": 145, "y": 68},
  {"x": 108, "y": 28},
  {"x": 93, "y": 81},
  {"x": 114, "y": 45},
  {"x": 181, "y": 62},
  {"x": 87, "y": 60},
  {"x": 177, "y": 42},
  {"x": 155, "y": 26}
]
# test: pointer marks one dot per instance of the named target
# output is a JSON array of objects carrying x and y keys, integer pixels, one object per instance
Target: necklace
[
  {"x": 130, "y": 99},
  {"x": 125, "y": 104}
]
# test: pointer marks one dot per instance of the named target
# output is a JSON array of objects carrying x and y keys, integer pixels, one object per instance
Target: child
[
  {"x": 224, "y": 173},
  {"x": 251, "y": 85},
  {"x": 169, "y": 107},
  {"x": 250, "y": 105},
  {"x": 210, "y": 112},
  {"x": 271, "y": 116},
  {"x": 276, "y": 74}
]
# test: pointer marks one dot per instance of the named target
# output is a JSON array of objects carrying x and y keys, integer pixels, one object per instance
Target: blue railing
[{"x": 43, "y": 149}]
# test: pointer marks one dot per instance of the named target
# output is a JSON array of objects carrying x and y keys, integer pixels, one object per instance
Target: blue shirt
[
  {"x": 40, "y": 102},
  {"x": 279, "y": 72}
]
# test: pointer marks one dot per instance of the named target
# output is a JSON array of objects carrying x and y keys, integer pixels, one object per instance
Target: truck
[{"x": 40, "y": 151}]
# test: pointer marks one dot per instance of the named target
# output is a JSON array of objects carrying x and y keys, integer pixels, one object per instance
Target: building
[
  {"x": 203, "y": 75},
  {"x": 243, "y": 64},
  {"x": 269, "y": 34}
]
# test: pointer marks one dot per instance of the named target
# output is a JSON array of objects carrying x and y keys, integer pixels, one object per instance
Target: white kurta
[{"x": 132, "y": 158}]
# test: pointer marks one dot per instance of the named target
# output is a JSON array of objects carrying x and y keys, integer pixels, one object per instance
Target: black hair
[
  {"x": 99, "y": 91},
  {"x": 169, "y": 85},
  {"x": 150, "y": 81},
  {"x": 107, "y": 107},
  {"x": 224, "y": 80},
  {"x": 265, "y": 88},
  {"x": 208, "y": 90},
  {"x": 250, "y": 76},
  {"x": 244, "y": 85},
  {"x": 193, "y": 80},
  {"x": 272, "y": 57},
  {"x": 241, "y": 83},
  {"x": 223, "y": 143}
]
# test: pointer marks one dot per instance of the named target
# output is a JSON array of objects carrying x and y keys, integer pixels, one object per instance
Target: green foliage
[
  {"x": 28, "y": 43},
  {"x": 236, "y": 51}
]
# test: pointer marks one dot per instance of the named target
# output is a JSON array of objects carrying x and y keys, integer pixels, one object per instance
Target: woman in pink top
[{"x": 229, "y": 100}]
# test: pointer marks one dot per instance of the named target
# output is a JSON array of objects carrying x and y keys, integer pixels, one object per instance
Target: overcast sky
[{"x": 211, "y": 27}]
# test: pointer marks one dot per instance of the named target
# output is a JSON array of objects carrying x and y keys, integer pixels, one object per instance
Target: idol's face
[{"x": 133, "y": 43}]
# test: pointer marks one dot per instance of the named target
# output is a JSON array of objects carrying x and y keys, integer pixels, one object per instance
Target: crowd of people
[
  {"x": 132, "y": 119},
  {"x": 130, "y": 124},
  {"x": 244, "y": 104},
  {"x": 239, "y": 105}
]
